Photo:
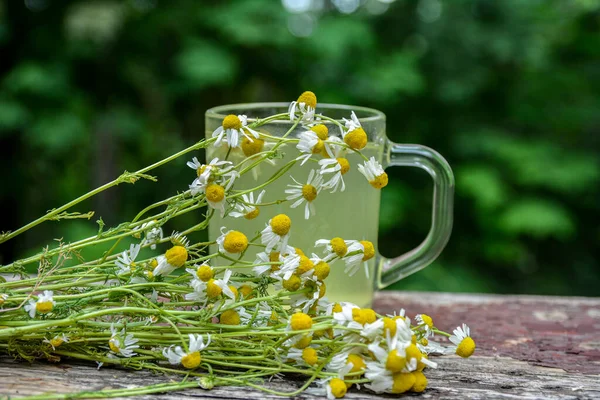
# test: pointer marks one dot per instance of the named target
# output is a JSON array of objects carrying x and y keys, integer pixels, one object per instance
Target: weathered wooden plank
[
  {"x": 476, "y": 378},
  {"x": 516, "y": 337}
]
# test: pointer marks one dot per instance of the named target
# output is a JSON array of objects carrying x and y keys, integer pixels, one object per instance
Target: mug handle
[{"x": 392, "y": 270}]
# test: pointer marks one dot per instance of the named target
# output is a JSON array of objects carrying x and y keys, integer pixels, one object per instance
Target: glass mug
[{"x": 352, "y": 214}]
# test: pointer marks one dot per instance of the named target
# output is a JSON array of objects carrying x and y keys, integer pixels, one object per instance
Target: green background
[{"x": 508, "y": 91}]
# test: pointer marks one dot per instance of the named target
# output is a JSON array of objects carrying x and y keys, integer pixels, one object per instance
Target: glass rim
[{"x": 220, "y": 112}]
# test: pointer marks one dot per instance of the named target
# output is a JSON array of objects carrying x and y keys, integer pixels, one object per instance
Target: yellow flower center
[
  {"x": 427, "y": 320},
  {"x": 191, "y": 360},
  {"x": 338, "y": 388},
  {"x": 322, "y": 270},
  {"x": 44, "y": 307},
  {"x": 369, "y": 250},
  {"x": 176, "y": 256},
  {"x": 321, "y": 131},
  {"x": 304, "y": 342},
  {"x": 292, "y": 284},
  {"x": 420, "y": 382},
  {"x": 369, "y": 315},
  {"x": 344, "y": 164},
  {"x": 305, "y": 265},
  {"x": 234, "y": 290},
  {"x": 235, "y": 242},
  {"x": 114, "y": 345},
  {"x": 420, "y": 364},
  {"x": 300, "y": 321},
  {"x": 274, "y": 319},
  {"x": 309, "y": 192},
  {"x": 395, "y": 362},
  {"x": 153, "y": 263},
  {"x": 212, "y": 289},
  {"x": 339, "y": 246},
  {"x": 363, "y": 316},
  {"x": 402, "y": 382},
  {"x": 413, "y": 351},
  {"x": 281, "y": 224},
  {"x": 232, "y": 122},
  {"x": 358, "y": 364},
  {"x": 252, "y": 147},
  {"x": 205, "y": 273},
  {"x": 389, "y": 325},
  {"x": 337, "y": 308},
  {"x": 57, "y": 341},
  {"x": 413, "y": 339},
  {"x": 215, "y": 193},
  {"x": 318, "y": 147},
  {"x": 356, "y": 139},
  {"x": 274, "y": 257},
  {"x": 466, "y": 348},
  {"x": 200, "y": 170},
  {"x": 309, "y": 99},
  {"x": 246, "y": 291},
  {"x": 252, "y": 214},
  {"x": 309, "y": 355},
  {"x": 380, "y": 181},
  {"x": 230, "y": 317},
  {"x": 424, "y": 341},
  {"x": 299, "y": 251}
]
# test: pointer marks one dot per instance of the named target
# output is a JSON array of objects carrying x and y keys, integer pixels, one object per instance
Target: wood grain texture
[{"x": 529, "y": 347}]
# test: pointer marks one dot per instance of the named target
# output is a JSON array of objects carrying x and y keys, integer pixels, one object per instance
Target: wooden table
[{"x": 528, "y": 347}]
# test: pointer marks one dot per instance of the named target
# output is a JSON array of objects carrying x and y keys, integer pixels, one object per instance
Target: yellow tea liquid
[{"x": 352, "y": 214}]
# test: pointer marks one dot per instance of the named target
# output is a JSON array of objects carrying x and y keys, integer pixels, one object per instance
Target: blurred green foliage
[{"x": 508, "y": 91}]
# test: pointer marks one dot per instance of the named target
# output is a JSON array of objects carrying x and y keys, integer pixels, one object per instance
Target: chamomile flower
[
  {"x": 355, "y": 135},
  {"x": 232, "y": 242},
  {"x": 57, "y": 340},
  {"x": 231, "y": 129},
  {"x": 464, "y": 345},
  {"x": 214, "y": 172},
  {"x": 277, "y": 233},
  {"x": 215, "y": 197},
  {"x": 215, "y": 287},
  {"x": 312, "y": 141},
  {"x": 303, "y": 357},
  {"x": 190, "y": 359},
  {"x": 308, "y": 145},
  {"x": 342, "y": 359},
  {"x": 126, "y": 260},
  {"x": 374, "y": 173},
  {"x": 44, "y": 304},
  {"x": 333, "y": 388},
  {"x": 174, "y": 258},
  {"x": 286, "y": 266},
  {"x": 358, "y": 252},
  {"x": 426, "y": 323},
  {"x": 334, "y": 248},
  {"x": 305, "y": 192},
  {"x": 248, "y": 208},
  {"x": 203, "y": 272},
  {"x": 299, "y": 321},
  {"x": 122, "y": 344},
  {"x": 304, "y": 108},
  {"x": 337, "y": 168}
]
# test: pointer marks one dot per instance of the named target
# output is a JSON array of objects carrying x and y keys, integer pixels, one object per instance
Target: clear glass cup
[{"x": 352, "y": 214}]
